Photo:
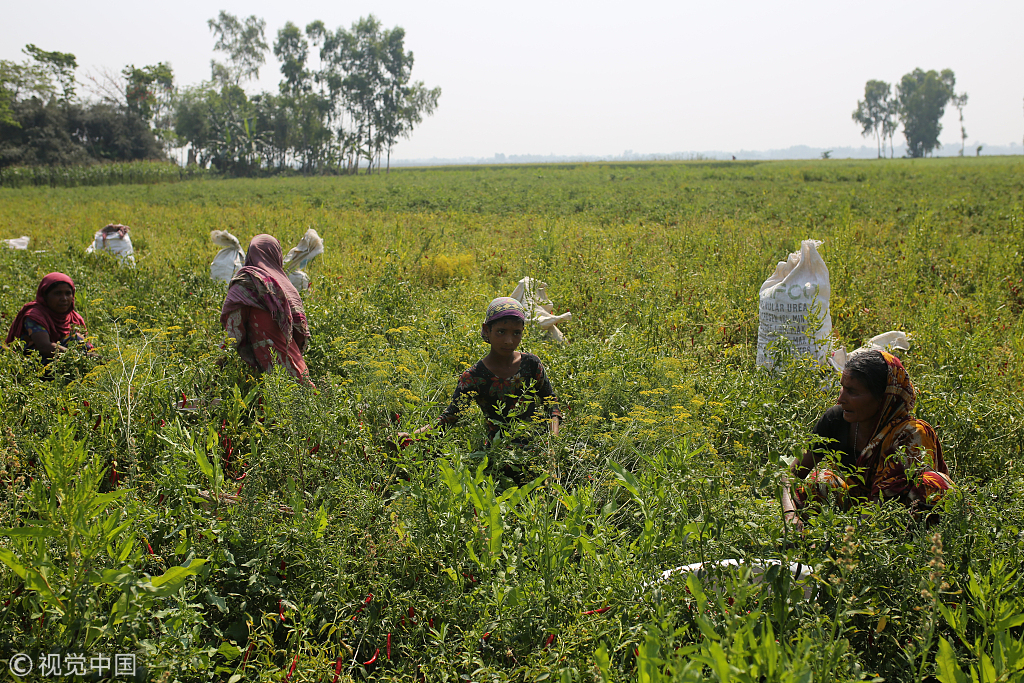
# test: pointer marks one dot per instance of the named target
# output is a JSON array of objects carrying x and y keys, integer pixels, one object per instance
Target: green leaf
[
  {"x": 169, "y": 582},
  {"x": 949, "y": 670},
  {"x": 229, "y": 651}
]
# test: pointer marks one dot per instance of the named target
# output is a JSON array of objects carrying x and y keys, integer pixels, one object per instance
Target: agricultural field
[{"x": 275, "y": 533}]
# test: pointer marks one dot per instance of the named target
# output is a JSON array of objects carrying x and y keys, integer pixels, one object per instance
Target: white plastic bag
[
  {"x": 229, "y": 259},
  {"x": 798, "y": 288},
  {"x": 887, "y": 341},
  {"x": 115, "y": 239},
  {"x": 533, "y": 295},
  {"x": 17, "y": 242},
  {"x": 308, "y": 248}
]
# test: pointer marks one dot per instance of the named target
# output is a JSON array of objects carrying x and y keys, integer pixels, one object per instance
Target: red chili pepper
[
  {"x": 315, "y": 449},
  {"x": 241, "y": 477},
  {"x": 161, "y": 423},
  {"x": 160, "y": 499},
  {"x": 292, "y": 669},
  {"x": 486, "y": 636},
  {"x": 280, "y": 610},
  {"x": 247, "y": 653},
  {"x": 412, "y": 612},
  {"x": 369, "y": 599},
  {"x": 149, "y": 548},
  {"x": 372, "y": 659},
  {"x": 337, "y": 669},
  {"x": 85, "y": 403},
  {"x": 551, "y": 639},
  {"x": 184, "y": 400},
  {"x": 113, "y": 476},
  {"x": 597, "y": 611},
  {"x": 730, "y": 601},
  {"x": 389, "y": 646},
  {"x": 96, "y": 426},
  {"x": 430, "y": 622}
]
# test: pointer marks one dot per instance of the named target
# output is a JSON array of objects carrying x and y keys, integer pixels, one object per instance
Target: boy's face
[{"x": 504, "y": 335}]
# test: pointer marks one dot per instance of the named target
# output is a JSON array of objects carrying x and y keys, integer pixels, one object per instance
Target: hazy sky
[{"x": 599, "y": 78}]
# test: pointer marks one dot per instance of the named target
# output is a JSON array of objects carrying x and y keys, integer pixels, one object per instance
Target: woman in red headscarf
[
  {"x": 50, "y": 323},
  {"x": 263, "y": 311},
  {"x": 874, "y": 448}
]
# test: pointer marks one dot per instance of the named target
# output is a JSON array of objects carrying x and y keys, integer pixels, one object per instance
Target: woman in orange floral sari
[{"x": 884, "y": 451}]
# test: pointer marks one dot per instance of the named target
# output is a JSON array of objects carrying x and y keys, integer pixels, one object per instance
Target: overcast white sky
[{"x": 599, "y": 78}]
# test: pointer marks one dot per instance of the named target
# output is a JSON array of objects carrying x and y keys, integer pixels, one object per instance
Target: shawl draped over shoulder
[{"x": 58, "y": 325}]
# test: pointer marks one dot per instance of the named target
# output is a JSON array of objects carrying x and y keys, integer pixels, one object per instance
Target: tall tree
[
  {"x": 61, "y": 66},
  {"x": 891, "y": 123},
  {"x": 148, "y": 90},
  {"x": 872, "y": 111},
  {"x": 20, "y": 81},
  {"x": 923, "y": 96},
  {"x": 960, "y": 101},
  {"x": 245, "y": 45},
  {"x": 291, "y": 48}
]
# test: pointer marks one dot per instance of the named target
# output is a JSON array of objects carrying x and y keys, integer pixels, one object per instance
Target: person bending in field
[
  {"x": 50, "y": 324},
  {"x": 885, "y": 452},
  {"x": 509, "y": 386},
  {"x": 263, "y": 312}
]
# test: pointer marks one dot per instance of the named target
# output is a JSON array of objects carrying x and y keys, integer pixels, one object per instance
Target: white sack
[
  {"x": 299, "y": 280},
  {"x": 308, "y": 248},
  {"x": 229, "y": 259},
  {"x": 887, "y": 341},
  {"x": 705, "y": 571},
  {"x": 116, "y": 240},
  {"x": 17, "y": 242},
  {"x": 798, "y": 286},
  {"x": 533, "y": 295}
]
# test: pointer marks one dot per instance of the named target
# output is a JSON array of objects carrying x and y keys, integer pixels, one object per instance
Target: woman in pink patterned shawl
[{"x": 263, "y": 311}]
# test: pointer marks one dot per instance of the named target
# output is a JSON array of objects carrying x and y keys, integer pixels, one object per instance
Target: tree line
[
  {"x": 918, "y": 102},
  {"x": 345, "y": 99}
]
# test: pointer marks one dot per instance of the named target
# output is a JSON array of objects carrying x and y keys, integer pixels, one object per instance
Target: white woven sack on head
[
  {"x": 887, "y": 341},
  {"x": 308, "y": 248},
  {"x": 16, "y": 242},
  {"x": 534, "y": 297},
  {"x": 229, "y": 259}
]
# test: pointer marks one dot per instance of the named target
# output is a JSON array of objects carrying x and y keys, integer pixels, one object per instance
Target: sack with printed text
[{"x": 793, "y": 305}]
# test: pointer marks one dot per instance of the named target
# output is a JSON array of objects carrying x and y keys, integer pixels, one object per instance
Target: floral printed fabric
[
  {"x": 503, "y": 400},
  {"x": 902, "y": 460}
]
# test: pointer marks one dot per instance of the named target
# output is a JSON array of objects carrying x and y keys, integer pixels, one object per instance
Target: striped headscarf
[{"x": 504, "y": 307}]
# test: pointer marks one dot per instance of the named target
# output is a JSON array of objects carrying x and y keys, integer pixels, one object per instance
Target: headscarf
[
  {"x": 262, "y": 283},
  {"x": 898, "y": 431},
  {"x": 58, "y": 325},
  {"x": 504, "y": 307}
]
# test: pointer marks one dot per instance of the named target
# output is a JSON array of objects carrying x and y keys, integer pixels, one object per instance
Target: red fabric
[
  {"x": 57, "y": 325},
  {"x": 261, "y": 344}
]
